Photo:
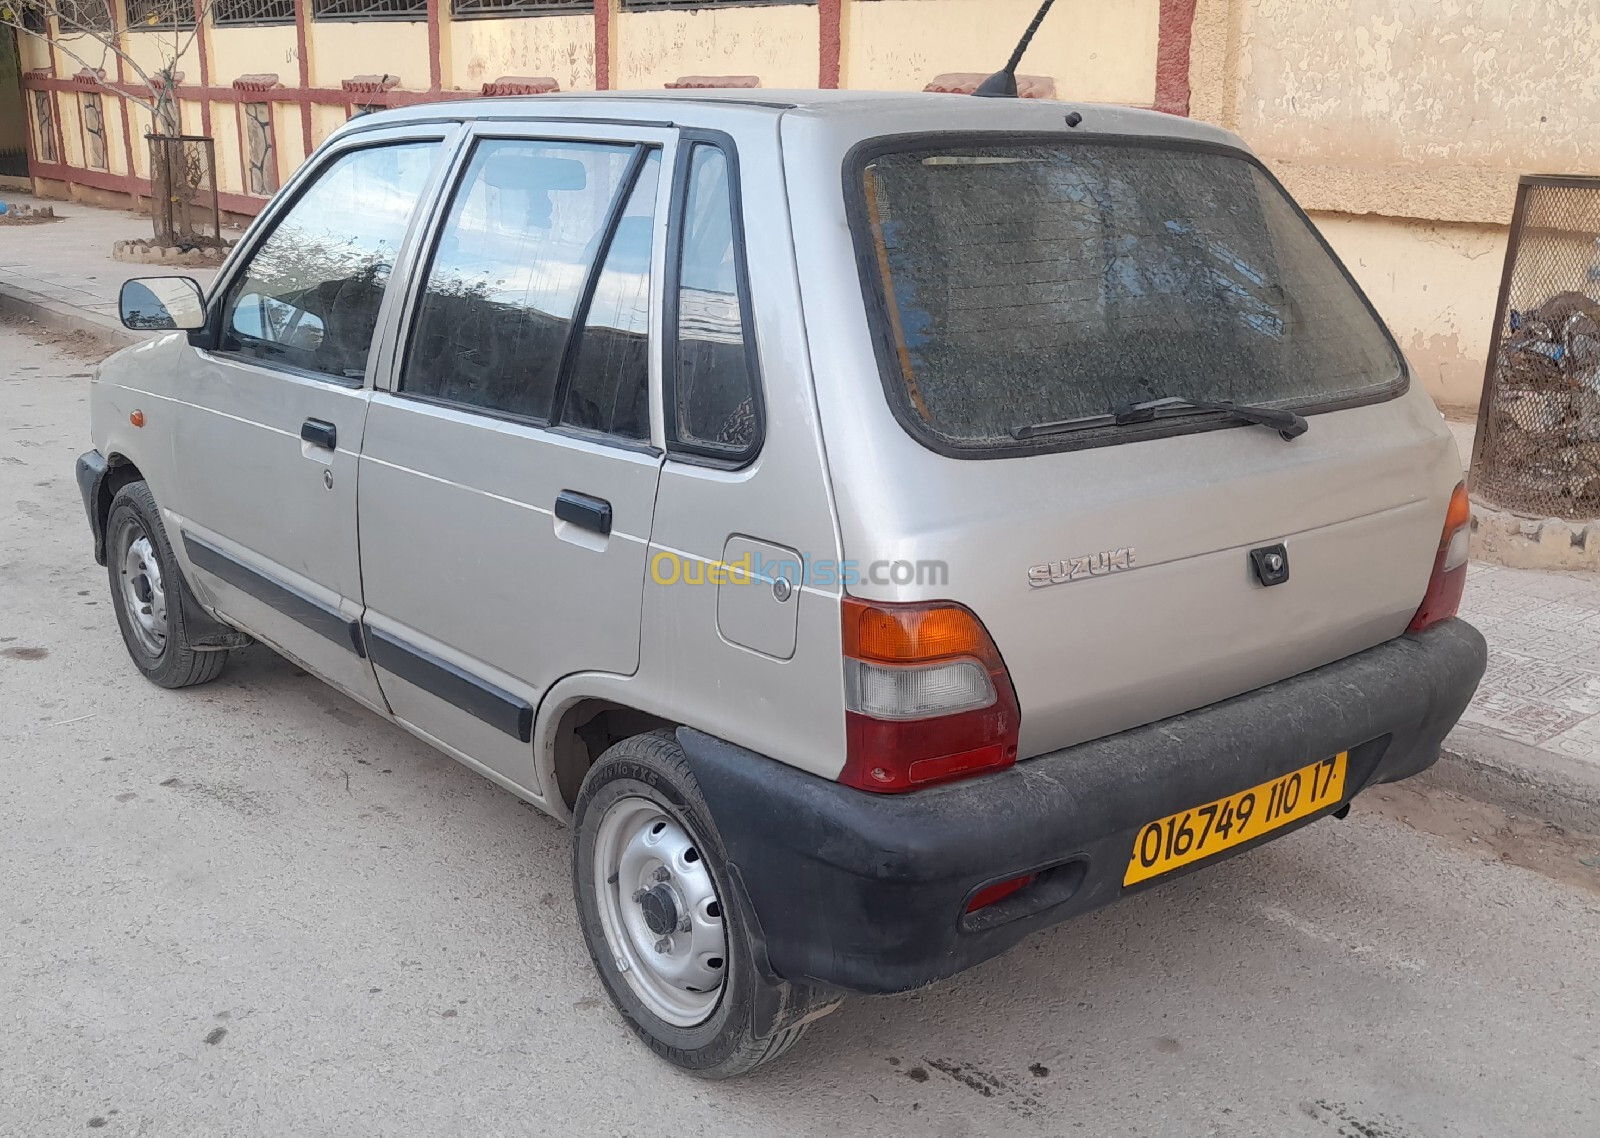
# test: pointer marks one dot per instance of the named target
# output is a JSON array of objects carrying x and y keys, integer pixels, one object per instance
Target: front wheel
[
  {"x": 649, "y": 876},
  {"x": 145, "y": 587}
]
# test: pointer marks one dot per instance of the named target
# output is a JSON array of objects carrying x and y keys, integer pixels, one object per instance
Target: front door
[
  {"x": 268, "y": 419},
  {"x": 508, "y": 478}
]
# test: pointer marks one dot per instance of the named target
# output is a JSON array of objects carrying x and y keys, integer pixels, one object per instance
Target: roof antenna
[{"x": 1003, "y": 84}]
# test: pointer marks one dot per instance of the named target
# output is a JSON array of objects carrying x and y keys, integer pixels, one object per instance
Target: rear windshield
[{"x": 1033, "y": 282}]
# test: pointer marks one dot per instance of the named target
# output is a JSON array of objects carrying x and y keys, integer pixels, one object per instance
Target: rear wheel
[
  {"x": 654, "y": 902},
  {"x": 145, "y": 590}
]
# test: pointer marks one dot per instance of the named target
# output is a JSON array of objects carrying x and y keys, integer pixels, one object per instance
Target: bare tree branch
[
  {"x": 65, "y": 50},
  {"x": 107, "y": 40}
]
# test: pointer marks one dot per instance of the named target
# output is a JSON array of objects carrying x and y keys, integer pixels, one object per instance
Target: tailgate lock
[{"x": 1271, "y": 564}]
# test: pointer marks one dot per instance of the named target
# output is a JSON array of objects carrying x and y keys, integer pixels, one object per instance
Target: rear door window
[
  {"x": 1023, "y": 283},
  {"x": 608, "y": 389},
  {"x": 509, "y": 271}
]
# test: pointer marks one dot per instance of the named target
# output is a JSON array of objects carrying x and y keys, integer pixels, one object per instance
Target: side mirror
[{"x": 162, "y": 304}]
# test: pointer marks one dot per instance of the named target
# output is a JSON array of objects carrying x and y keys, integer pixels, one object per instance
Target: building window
[
  {"x": 225, "y": 13},
  {"x": 369, "y": 9},
  {"x": 470, "y": 9},
  {"x": 656, "y": 5},
  {"x": 261, "y": 155},
  {"x": 94, "y": 132},
  {"x": 85, "y": 15},
  {"x": 44, "y": 121},
  {"x": 145, "y": 15}
]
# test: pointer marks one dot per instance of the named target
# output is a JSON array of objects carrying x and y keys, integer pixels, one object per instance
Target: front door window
[{"x": 310, "y": 295}]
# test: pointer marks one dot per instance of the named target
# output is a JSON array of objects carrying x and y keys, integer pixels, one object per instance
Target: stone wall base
[{"x": 1504, "y": 538}]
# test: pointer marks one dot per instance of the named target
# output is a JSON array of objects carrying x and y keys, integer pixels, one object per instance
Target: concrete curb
[
  {"x": 1519, "y": 778},
  {"x": 59, "y": 316}
]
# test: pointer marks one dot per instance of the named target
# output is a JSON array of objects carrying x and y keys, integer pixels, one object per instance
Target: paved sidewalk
[
  {"x": 61, "y": 273},
  {"x": 1531, "y": 738}
]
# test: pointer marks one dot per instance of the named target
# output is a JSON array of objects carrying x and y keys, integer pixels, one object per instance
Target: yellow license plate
[{"x": 1191, "y": 835}]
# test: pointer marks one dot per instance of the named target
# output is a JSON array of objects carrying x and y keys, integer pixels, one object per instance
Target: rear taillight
[
  {"x": 927, "y": 697},
  {"x": 1443, "y": 597}
]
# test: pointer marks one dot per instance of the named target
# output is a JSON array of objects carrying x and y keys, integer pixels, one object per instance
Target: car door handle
[
  {"x": 320, "y": 433},
  {"x": 583, "y": 510}
]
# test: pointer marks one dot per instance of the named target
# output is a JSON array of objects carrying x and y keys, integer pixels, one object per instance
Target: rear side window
[
  {"x": 715, "y": 401},
  {"x": 310, "y": 293},
  {"x": 508, "y": 273},
  {"x": 1028, "y": 283}
]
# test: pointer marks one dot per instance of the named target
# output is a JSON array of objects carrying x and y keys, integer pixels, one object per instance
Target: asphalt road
[{"x": 254, "y": 908}]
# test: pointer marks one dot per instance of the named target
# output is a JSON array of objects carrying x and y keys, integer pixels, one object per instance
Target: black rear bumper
[{"x": 867, "y": 893}]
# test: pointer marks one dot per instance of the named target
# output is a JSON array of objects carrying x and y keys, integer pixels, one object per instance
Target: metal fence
[
  {"x": 1538, "y": 444},
  {"x": 183, "y": 190}
]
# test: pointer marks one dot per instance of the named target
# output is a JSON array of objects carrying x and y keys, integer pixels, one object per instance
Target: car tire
[
  {"x": 148, "y": 591},
  {"x": 640, "y": 821}
]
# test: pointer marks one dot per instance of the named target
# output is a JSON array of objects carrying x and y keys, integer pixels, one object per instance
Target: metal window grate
[
  {"x": 470, "y": 9},
  {"x": 94, "y": 15},
  {"x": 144, "y": 14},
  {"x": 226, "y": 13},
  {"x": 1538, "y": 444},
  {"x": 369, "y": 9},
  {"x": 657, "y": 5}
]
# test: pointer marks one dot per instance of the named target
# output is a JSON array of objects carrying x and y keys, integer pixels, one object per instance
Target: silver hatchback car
[{"x": 883, "y": 525}]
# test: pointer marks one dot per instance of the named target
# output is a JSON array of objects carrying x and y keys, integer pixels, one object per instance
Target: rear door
[
  {"x": 268, "y": 420},
  {"x": 508, "y": 476}
]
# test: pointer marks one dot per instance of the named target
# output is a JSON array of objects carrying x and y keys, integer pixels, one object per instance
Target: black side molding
[
  {"x": 477, "y": 697},
  {"x": 314, "y": 614},
  {"x": 584, "y": 510}
]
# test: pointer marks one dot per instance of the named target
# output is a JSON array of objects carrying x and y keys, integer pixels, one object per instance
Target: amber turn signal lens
[
  {"x": 137, "y": 418},
  {"x": 911, "y": 634},
  {"x": 1459, "y": 513}
]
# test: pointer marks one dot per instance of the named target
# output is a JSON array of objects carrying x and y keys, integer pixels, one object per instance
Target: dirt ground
[{"x": 1489, "y": 832}]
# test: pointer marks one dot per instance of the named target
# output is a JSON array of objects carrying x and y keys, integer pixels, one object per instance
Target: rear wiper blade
[{"x": 1286, "y": 423}]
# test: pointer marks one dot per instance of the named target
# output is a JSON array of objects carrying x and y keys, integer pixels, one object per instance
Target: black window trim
[
  {"x": 424, "y": 270},
  {"x": 209, "y": 338},
  {"x": 591, "y": 282},
  {"x": 703, "y": 454},
  {"x": 881, "y": 325}
]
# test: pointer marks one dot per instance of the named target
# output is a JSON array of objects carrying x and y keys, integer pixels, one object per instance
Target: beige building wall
[
  {"x": 342, "y": 50},
  {"x": 1403, "y": 127},
  {"x": 153, "y": 50},
  {"x": 482, "y": 51},
  {"x": 266, "y": 50},
  {"x": 324, "y": 121},
  {"x": 1435, "y": 284},
  {"x": 779, "y": 43},
  {"x": 1096, "y": 50}
]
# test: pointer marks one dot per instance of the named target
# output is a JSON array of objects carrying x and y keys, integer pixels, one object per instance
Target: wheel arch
[
  {"x": 120, "y": 471},
  {"x": 586, "y": 728}
]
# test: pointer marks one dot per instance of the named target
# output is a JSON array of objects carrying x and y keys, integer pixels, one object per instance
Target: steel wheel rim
[
  {"x": 647, "y": 868},
  {"x": 144, "y": 596}
]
